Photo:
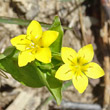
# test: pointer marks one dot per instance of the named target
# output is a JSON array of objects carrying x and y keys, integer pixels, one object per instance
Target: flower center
[
  {"x": 79, "y": 67},
  {"x": 32, "y": 47}
]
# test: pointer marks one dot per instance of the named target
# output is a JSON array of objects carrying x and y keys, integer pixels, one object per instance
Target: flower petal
[
  {"x": 68, "y": 55},
  {"x": 64, "y": 73},
  {"x": 34, "y": 31},
  {"x": 80, "y": 82},
  {"x": 20, "y": 42},
  {"x": 86, "y": 53},
  {"x": 24, "y": 58},
  {"x": 43, "y": 55},
  {"x": 48, "y": 37},
  {"x": 94, "y": 71}
]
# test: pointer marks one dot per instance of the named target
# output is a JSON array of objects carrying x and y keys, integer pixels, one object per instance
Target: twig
[
  {"x": 106, "y": 59},
  {"x": 106, "y": 68},
  {"x": 81, "y": 22}
]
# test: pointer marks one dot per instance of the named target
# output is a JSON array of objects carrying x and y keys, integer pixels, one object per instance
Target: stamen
[
  {"x": 32, "y": 44},
  {"x": 36, "y": 36}
]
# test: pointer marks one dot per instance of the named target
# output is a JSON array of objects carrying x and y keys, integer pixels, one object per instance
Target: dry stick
[
  {"x": 82, "y": 27},
  {"x": 106, "y": 68},
  {"x": 106, "y": 61},
  {"x": 81, "y": 22}
]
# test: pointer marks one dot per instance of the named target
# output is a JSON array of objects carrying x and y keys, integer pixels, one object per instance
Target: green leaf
[
  {"x": 26, "y": 75},
  {"x": 32, "y": 76},
  {"x": 48, "y": 79},
  {"x": 56, "y": 26},
  {"x": 53, "y": 84},
  {"x": 8, "y": 51}
]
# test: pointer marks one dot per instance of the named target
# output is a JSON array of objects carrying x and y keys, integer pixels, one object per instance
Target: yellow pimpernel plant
[
  {"x": 78, "y": 67},
  {"x": 35, "y": 44}
]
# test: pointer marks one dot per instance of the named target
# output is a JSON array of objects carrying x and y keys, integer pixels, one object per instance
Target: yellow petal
[
  {"x": 43, "y": 55},
  {"x": 86, "y": 53},
  {"x": 48, "y": 37},
  {"x": 34, "y": 31},
  {"x": 68, "y": 55},
  {"x": 24, "y": 58},
  {"x": 64, "y": 73},
  {"x": 80, "y": 82},
  {"x": 20, "y": 42},
  {"x": 94, "y": 71}
]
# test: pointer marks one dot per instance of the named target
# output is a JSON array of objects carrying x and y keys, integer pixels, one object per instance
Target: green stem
[
  {"x": 24, "y": 22},
  {"x": 14, "y": 21}
]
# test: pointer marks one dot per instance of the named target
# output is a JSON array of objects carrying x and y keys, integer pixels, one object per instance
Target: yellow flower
[
  {"x": 35, "y": 44},
  {"x": 78, "y": 67}
]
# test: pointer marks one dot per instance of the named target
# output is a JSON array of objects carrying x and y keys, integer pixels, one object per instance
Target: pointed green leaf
[
  {"x": 56, "y": 26},
  {"x": 32, "y": 76},
  {"x": 53, "y": 84},
  {"x": 26, "y": 75}
]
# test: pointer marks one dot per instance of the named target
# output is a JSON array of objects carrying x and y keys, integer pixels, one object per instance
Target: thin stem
[{"x": 25, "y": 22}]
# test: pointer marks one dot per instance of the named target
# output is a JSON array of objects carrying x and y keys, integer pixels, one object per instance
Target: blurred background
[{"x": 88, "y": 22}]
